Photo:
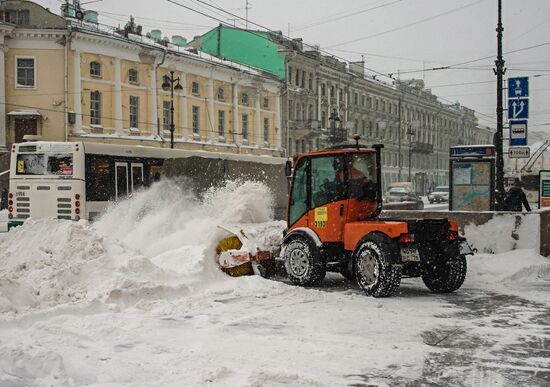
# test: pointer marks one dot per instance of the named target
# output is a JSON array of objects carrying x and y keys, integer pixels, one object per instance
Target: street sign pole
[{"x": 499, "y": 72}]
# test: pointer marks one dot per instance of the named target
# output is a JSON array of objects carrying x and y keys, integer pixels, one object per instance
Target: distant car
[
  {"x": 402, "y": 198},
  {"x": 439, "y": 195}
]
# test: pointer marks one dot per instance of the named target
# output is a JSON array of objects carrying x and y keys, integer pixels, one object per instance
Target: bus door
[
  {"x": 137, "y": 176},
  {"x": 121, "y": 180}
]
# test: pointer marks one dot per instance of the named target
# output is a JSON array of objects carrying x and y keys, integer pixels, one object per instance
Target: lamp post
[
  {"x": 410, "y": 132},
  {"x": 168, "y": 84},
  {"x": 334, "y": 118}
]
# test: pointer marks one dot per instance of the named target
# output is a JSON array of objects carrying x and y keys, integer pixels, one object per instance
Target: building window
[
  {"x": 133, "y": 76},
  {"x": 310, "y": 81},
  {"x": 221, "y": 94},
  {"x": 356, "y": 98},
  {"x": 310, "y": 112},
  {"x": 244, "y": 99},
  {"x": 134, "y": 112},
  {"x": 332, "y": 92},
  {"x": 290, "y": 109},
  {"x": 195, "y": 88},
  {"x": 245, "y": 126},
  {"x": 324, "y": 119},
  {"x": 95, "y": 69},
  {"x": 20, "y": 18},
  {"x": 297, "y": 77},
  {"x": 266, "y": 103},
  {"x": 221, "y": 123},
  {"x": 266, "y": 129},
  {"x": 290, "y": 74},
  {"x": 25, "y": 68},
  {"x": 196, "y": 118},
  {"x": 95, "y": 108},
  {"x": 323, "y": 90},
  {"x": 303, "y": 83},
  {"x": 363, "y": 127},
  {"x": 166, "y": 107},
  {"x": 363, "y": 98}
]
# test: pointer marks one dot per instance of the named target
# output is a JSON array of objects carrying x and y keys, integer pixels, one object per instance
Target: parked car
[
  {"x": 400, "y": 198},
  {"x": 439, "y": 195}
]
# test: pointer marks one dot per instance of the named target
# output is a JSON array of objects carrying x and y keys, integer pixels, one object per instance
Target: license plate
[{"x": 410, "y": 254}]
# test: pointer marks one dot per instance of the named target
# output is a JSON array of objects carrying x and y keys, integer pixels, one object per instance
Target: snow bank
[
  {"x": 158, "y": 244},
  {"x": 504, "y": 233},
  {"x": 3, "y": 221}
]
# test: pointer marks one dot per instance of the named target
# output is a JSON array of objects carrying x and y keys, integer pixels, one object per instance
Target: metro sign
[{"x": 519, "y": 152}]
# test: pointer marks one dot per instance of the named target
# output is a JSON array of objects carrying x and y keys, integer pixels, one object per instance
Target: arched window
[{"x": 95, "y": 69}]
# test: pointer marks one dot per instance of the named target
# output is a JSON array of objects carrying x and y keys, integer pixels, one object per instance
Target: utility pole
[
  {"x": 247, "y": 7},
  {"x": 499, "y": 72}
]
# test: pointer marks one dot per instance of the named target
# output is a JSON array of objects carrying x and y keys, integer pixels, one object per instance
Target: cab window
[
  {"x": 362, "y": 176},
  {"x": 327, "y": 180},
  {"x": 298, "y": 196}
]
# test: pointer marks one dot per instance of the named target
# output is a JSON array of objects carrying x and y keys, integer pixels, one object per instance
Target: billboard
[{"x": 544, "y": 189}]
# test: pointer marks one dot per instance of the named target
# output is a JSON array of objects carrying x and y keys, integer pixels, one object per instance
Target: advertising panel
[
  {"x": 472, "y": 185},
  {"x": 544, "y": 189}
]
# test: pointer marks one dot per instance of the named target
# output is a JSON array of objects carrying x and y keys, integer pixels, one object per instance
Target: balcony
[
  {"x": 337, "y": 136},
  {"x": 422, "y": 147},
  {"x": 303, "y": 129}
]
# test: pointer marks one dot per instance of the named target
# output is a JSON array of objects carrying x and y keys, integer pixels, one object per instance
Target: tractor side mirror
[{"x": 288, "y": 168}]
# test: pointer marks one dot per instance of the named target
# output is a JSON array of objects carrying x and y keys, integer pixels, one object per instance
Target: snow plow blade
[{"x": 238, "y": 256}]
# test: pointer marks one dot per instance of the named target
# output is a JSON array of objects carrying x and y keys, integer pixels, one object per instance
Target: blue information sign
[
  {"x": 518, "y": 109},
  {"x": 518, "y": 132},
  {"x": 518, "y": 87}
]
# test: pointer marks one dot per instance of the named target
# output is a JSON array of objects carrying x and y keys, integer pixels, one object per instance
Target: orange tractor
[{"x": 333, "y": 224}]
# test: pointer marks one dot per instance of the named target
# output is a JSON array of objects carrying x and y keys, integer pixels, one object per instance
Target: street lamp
[
  {"x": 168, "y": 84},
  {"x": 410, "y": 132},
  {"x": 334, "y": 118}
]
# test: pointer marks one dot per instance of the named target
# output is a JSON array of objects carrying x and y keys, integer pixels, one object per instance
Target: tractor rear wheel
[
  {"x": 376, "y": 275},
  {"x": 303, "y": 263},
  {"x": 445, "y": 277}
]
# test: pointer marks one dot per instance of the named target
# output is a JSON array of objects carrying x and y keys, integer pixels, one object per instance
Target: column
[
  {"x": 186, "y": 130},
  {"x": 3, "y": 122},
  {"x": 154, "y": 101},
  {"x": 77, "y": 90},
  {"x": 257, "y": 119},
  {"x": 279, "y": 132},
  {"x": 118, "y": 98},
  {"x": 235, "y": 104},
  {"x": 211, "y": 127}
]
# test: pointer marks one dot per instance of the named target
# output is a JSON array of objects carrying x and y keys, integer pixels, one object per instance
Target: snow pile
[
  {"x": 157, "y": 245},
  {"x": 504, "y": 233},
  {"x": 3, "y": 220},
  {"x": 519, "y": 267}
]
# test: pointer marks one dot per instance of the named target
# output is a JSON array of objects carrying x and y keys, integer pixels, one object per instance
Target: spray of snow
[{"x": 157, "y": 244}]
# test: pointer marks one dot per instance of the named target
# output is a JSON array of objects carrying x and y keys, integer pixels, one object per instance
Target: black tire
[
  {"x": 376, "y": 275},
  {"x": 303, "y": 263},
  {"x": 447, "y": 276}
]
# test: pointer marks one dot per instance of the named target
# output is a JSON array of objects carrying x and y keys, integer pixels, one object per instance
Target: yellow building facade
[{"x": 82, "y": 83}]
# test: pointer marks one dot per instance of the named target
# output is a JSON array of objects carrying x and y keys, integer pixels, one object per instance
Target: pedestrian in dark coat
[
  {"x": 515, "y": 198},
  {"x": 4, "y": 199}
]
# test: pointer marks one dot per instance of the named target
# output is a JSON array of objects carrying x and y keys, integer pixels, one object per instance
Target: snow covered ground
[{"x": 136, "y": 299}]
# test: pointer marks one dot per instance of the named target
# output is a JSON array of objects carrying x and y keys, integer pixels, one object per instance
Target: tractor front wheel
[
  {"x": 376, "y": 275},
  {"x": 303, "y": 263},
  {"x": 445, "y": 277}
]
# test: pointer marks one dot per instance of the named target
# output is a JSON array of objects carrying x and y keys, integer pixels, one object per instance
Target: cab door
[{"x": 329, "y": 203}]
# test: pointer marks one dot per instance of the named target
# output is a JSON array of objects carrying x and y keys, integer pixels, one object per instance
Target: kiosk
[{"x": 472, "y": 183}]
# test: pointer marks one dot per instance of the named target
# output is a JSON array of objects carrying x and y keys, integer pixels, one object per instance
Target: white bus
[{"x": 76, "y": 180}]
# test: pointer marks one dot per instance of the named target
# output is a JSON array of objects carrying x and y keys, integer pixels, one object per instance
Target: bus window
[
  {"x": 44, "y": 164},
  {"x": 137, "y": 176},
  {"x": 121, "y": 177},
  {"x": 99, "y": 180}
]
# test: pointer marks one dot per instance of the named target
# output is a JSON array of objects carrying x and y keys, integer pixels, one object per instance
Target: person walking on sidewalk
[{"x": 516, "y": 199}]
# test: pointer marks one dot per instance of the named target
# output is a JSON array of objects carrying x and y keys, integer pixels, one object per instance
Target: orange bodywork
[
  {"x": 355, "y": 231},
  {"x": 453, "y": 225}
]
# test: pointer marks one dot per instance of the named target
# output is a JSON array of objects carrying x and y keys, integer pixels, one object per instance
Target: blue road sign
[
  {"x": 518, "y": 132},
  {"x": 518, "y": 109},
  {"x": 518, "y": 87}
]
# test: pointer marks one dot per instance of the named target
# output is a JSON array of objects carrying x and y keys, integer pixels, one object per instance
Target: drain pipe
[{"x": 68, "y": 38}]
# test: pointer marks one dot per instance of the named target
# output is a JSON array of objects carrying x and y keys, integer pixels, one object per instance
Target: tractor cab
[{"x": 334, "y": 187}]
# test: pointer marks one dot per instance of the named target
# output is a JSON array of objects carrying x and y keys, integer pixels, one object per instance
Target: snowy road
[{"x": 136, "y": 300}]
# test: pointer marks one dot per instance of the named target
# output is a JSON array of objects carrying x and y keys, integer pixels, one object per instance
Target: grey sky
[{"x": 398, "y": 35}]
